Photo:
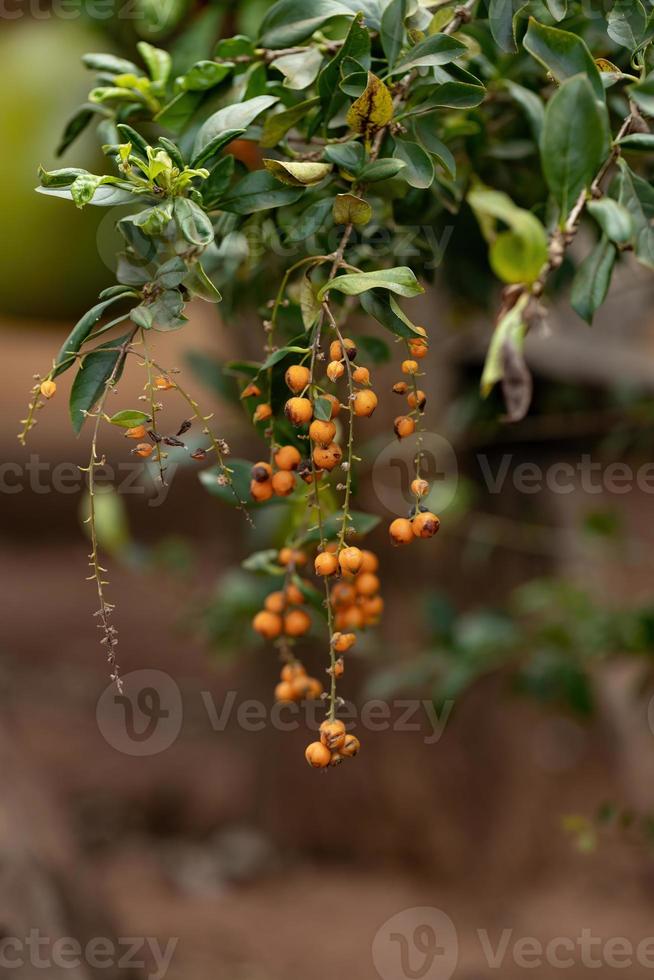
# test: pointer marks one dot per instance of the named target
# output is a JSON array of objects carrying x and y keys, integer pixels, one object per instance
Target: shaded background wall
[{"x": 225, "y": 841}]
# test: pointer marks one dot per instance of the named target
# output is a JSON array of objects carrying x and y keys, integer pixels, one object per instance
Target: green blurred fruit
[{"x": 49, "y": 265}]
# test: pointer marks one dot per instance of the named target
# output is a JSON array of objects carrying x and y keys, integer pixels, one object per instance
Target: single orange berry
[
  {"x": 317, "y": 755},
  {"x": 361, "y": 376},
  {"x": 299, "y": 411},
  {"x": 370, "y": 561},
  {"x": 401, "y": 531},
  {"x": 409, "y": 367},
  {"x": 287, "y": 458},
  {"x": 292, "y": 671},
  {"x": 336, "y": 350},
  {"x": 364, "y": 403},
  {"x": 288, "y": 556},
  {"x": 283, "y": 483},
  {"x": 284, "y": 692},
  {"x": 404, "y": 426},
  {"x": 144, "y": 449},
  {"x": 261, "y": 491},
  {"x": 163, "y": 384},
  {"x": 328, "y": 457},
  {"x": 335, "y": 370},
  {"x": 322, "y": 432},
  {"x": 261, "y": 472},
  {"x": 419, "y": 487},
  {"x": 352, "y": 619},
  {"x": 342, "y": 642},
  {"x": 339, "y": 668},
  {"x": 372, "y": 607},
  {"x": 262, "y": 413},
  {"x": 267, "y": 624},
  {"x": 417, "y": 399},
  {"x": 136, "y": 432},
  {"x": 350, "y": 746},
  {"x": 313, "y": 689},
  {"x": 343, "y": 594},
  {"x": 298, "y": 377},
  {"x": 332, "y": 734},
  {"x": 326, "y": 564},
  {"x": 367, "y": 583},
  {"x": 294, "y": 595},
  {"x": 297, "y": 622},
  {"x": 350, "y": 560},
  {"x": 400, "y": 388},
  {"x": 251, "y": 391},
  {"x": 425, "y": 525},
  {"x": 48, "y": 388},
  {"x": 275, "y": 602}
]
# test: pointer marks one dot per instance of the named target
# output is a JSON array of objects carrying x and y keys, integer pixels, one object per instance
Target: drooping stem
[{"x": 153, "y": 410}]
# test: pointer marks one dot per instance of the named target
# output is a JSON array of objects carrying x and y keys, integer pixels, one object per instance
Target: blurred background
[{"x": 520, "y": 795}]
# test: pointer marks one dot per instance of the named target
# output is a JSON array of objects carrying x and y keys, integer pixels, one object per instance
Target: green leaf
[
  {"x": 298, "y": 174},
  {"x": 381, "y": 170},
  {"x": 259, "y": 191},
  {"x": 392, "y": 29},
  {"x": 309, "y": 304},
  {"x": 240, "y": 115},
  {"x": 349, "y": 209},
  {"x": 575, "y": 141},
  {"x": 217, "y": 182},
  {"x": 419, "y": 169},
  {"x": 283, "y": 352},
  {"x": 627, "y": 23},
  {"x": 530, "y": 103},
  {"x": 509, "y": 331},
  {"x": 204, "y": 75},
  {"x": 643, "y": 94},
  {"x": 90, "y": 381},
  {"x": 179, "y": 111},
  {"x": 400, "y": 280},
  {"x": 172, "y": 273},
  {"x": 371, "y": 111},
  {"x": 173, "y": 151},
  {"x": 563, "y": 54},
  {"x": 311, "y": 220},
  {"x": 348, "y": 156},
  {"x": 129, "y": 418},
  {"x": 638, "y": 141},
  {"x": 60, "y": 178},
  {"x": 450, "y": 95},
  {"x": 73, "y": 343},
  {"x": 592, "y": 280},
  {"x": 439, "y": 49},
  {"x": 385, "y": 309},
  {"x": 199, "y": 284},
  {"x": 299, "y": 70},
  {"x": 500, "y": 19},
  {"x": 557, "y": 8},
  {"x": 109, "y": 64},
  {"x": 278, "y": 124},
  {"x": 615, "y": 220},
  {"x": 157, "y": 60},
  {"x": 192, "y": 222},
  {"x": 215, "y": 145},
  {"x": 356, "y": 50},
  {"x": 75, "y": 127},
  {"x": 519, "y": 254},
  {"x": 425, "y": 130},
  {"x": 322, "y": 409},
  {"x": 167, "y": 311},
  {"x": 637, "y": 196},
  {"x": 129, "y": 135},
  {"x": 288, "y": 22}
]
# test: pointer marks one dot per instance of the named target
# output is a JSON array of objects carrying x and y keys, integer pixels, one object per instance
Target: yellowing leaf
[
  {"x": 372, "y": 110},
  {"x": 349, "y": 209},
  {"x": 298, "y": 174}
]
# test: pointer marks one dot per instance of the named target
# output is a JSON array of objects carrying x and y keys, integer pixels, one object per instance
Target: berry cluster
[{"x": 335, "y": 745}]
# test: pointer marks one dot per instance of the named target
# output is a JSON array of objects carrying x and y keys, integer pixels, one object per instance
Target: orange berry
[
  {"x": 350, "y": 746},
  {"x": 417, "y": 399},
  {"x": 261, "y": 472},
  {"x": 287, "y": 458},
  {"x": 400, "y": 388},
  {"x": 251, "y": 391},
  {"x": 372, "y": 608},
  {"x": 367, "y": 583},
  {"x": 343, "y": 594},
  {"x": 261, "y": 491},
  {"x": 48, "y": 388},
  {"x": 404, "y": 426},
  {"x": 332, "y": 734},
  {"x": 322, "y": 432},
  {"x": 294, "y": 595},
  {"x": 342, "y": 642},
  {"x": 419, "y": 487},
  {"x": 136, "y": 432},
  {"x": 267, "y": 624},
  {"x": 293, "y": 556},
  {"x": 350, "y": 560},
  {"x": 326, "y": 564},
  {"x": 361, "y": 376},
  {"x": 299, "y": 411},
  {"x": 283, "y": 483},
  {"x": 262, "y": 413},
  {"x": 335, "y": 403},
  {"x": 401, "y": 531},
  {"x": 418, "y": 348},
  {"x": 336, "y": 350},
  {"x": 275, "y": 602},
  {"x": 313, "y": 689},
  {"x": 351, "y": 619},
  {"x": 364, "y": 403},
  {"x": 409, "y": 367},
  {"x": 290, "y": 672},
  {"x": 297, "y": 622},
  {"x": 370, "y": 561},
  {"x": 335, "y": 370},
  {"x": 339, "y": 668},
  {"x": 425, "y": 525},
  {"x": 328, "y": 457},
  {"x": 298, "y": 377},
  {"x": 317, "y": 755},
  {"x": 163, "y": 384},
  {"x": 285, "y": 692},
  {"x": 144, "y": 449}
]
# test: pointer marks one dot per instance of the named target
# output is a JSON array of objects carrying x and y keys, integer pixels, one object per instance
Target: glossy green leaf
[
  {"x": 299, "y": 70},
  {"x": 557, "y": 8},
  {"x": 80, "y": 332},
  {"x": 311, "y": 220},
  {"x": 450, "y": 95},
  {"x": 217, "y": 182},
  {"x": 439, "y": 49},
  {"x": 643, "y": 94},
  {"x": 240, "y": 115},
  {"x": 199, "y": 284},
  {"x": 592, "y": 280},
  {"x": 278, "y": 124},
  {"x": 288, "y": 22},
  {"x": 627, "y": 23},
  {"x": 129, "y": 418},
  {"x": 259, "y": 191},
  {"x": 392, "y": 29},
  {"x": 500, "y": 19},
  {"x": 349, "y": 156},
  {"x": 179, "y": 111},
  {"x": 563, "y": 54},
  {"x": 419, "y": 169},
  {"x": 385, "y": 309},
  {"x": 615, "y": 220},
  {"x": 380, "y": 170},
  {"x": 638, "y": 141},
  {"x": 204, "y": 75},
  {"x": 192, "y": 222},
  {"x": 215, "y": 145},
  {"x": 425, "y": 128},
  {"x": 110, "y": 64},
  {"x": 531, "y": 104},
  {"x": 637, "y": 196},
  {"x": 400, "y": 280},
  {"x": 75, "y": 127},
  {"x": 157, "y": 60},
  {"x": 355, "y": 49},
  {"x": 99, "y": 366}
]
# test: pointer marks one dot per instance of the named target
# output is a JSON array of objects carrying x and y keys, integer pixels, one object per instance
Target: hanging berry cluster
[{"x": 324, "y": 138}]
